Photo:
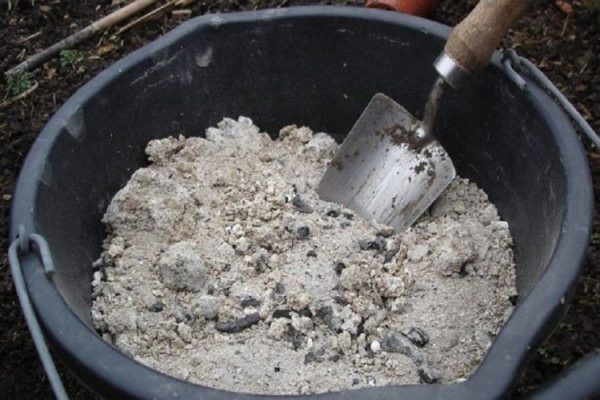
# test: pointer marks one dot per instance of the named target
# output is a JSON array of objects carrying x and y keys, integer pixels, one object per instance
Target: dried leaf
[
  {"x": 107, "y": 48},
  {"x": 565, "y": 6}
]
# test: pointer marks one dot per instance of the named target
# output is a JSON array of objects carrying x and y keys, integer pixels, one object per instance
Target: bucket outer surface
[{"x": 316, "y": 66}]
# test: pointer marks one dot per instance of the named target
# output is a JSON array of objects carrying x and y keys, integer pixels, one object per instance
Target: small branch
[
  {"x": 78, "y": 37},
  {"x": 26, "y": 93},
  {"x": 185, "y": 12},
  {"x": 28, "y": 38},
  {"x": 156, "y": 11},
  {"x": 146, "y": 16}
]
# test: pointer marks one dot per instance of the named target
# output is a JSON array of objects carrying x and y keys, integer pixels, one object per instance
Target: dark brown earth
[{"x": 566, "y": 45}]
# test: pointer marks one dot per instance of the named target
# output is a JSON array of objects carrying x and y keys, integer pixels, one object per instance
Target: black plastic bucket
[{"x": 317, "y": 66}]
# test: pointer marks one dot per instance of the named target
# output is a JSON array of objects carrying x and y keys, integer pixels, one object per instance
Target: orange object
[{"x": 421, "y": 8}]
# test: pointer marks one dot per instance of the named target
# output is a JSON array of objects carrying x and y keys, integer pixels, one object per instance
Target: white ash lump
[{"x": 223, "y": 267}]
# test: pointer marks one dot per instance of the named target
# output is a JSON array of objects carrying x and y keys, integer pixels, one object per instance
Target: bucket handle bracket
[
  {"x": 515, "y": 66},
  {"x": 24, "y": 244}
]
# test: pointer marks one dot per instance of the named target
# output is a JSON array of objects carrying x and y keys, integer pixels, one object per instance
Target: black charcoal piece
[
  {"x": 303, "y": 232},
  {"x": 378, "y": 244},
  {"x": 313, "y": 356},
  {"x": 389, "y": 255},
  {"x": 282, "y": 313},
  {"x": 339, "y": 267},
  {"x": 310, "y": 357},
  {"x": 238, "y": 325},
  {"x": 428, "y": 375},
  {"x": 326, "y": 314},
  {"x": 301, "y": 205},
  {"x": 279, "y": 293},
  {"x": 294, "y": 337},
  {"x": 249, "y": 301},
  {"x": 261, "y": 264},
  {"x": 157, "y": 307},
  {"x": 418, "y": 336},
  {"x": 279, "y": 288},
  {"x": 396, "y": 344},
  {"x": 305, "y": 312}
]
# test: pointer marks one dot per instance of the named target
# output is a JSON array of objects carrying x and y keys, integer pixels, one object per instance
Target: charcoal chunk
[
  {"x": 262, "y": 264},
  {"x": 249, "y": 301},
  {"x": 301, "y": 205},
  {"x": 157, "y": 307},
  {"x": 324, "y": 311},
  {"x": 333, "y": 213},
  {"x": 303, "y": 232},
  {"x": 313, "y": 356},
  {"x": 279, "y": 294},
  {"x": 305, "y": 312},
  {"x": 183, "y": 316},
  {"x": 389, "y": 255},
  {"x": 310, "y": 357},
  {"x": 238, "y": 325},
  {"x": 339, "y": 267},
  {"x": 428, "y": 375},
  {"x": 279, "y": 288},
  {"x": 294, "y": 337},
  {"x": 418, "y": 336},
  {"x": 396, "y": 344},
  {"x": 378, "y": 244},
  {"x": 282, "y": 313},
  {"x": 287, "y": 313},
  {"x": 326, "y": 314}
]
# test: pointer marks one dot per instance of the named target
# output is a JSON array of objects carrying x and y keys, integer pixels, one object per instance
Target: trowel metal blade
[{"x": 385, "y": 173}]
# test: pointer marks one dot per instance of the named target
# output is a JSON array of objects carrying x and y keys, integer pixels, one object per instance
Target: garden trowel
[{"x": 390, "y": 168}]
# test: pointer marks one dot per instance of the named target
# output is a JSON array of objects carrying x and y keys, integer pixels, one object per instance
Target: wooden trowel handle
[{"x": 473, "y": 41}]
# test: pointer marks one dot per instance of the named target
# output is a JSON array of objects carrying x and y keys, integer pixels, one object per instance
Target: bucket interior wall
[{"x": 319, "y": 72}]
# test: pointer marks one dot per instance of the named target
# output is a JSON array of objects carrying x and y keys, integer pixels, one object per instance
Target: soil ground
[{"x": 562, "y": 37}]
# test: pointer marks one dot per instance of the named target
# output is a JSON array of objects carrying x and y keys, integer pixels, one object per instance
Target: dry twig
[
  {"x": 87, "y": 32},
  {"x": 157, "y": 11},
  {"x": 26, "y": 93}
]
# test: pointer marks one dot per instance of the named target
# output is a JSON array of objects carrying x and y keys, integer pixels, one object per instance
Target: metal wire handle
[
  {"x": 515, "y": 64},
  {"x": 22, "y": 245}
]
